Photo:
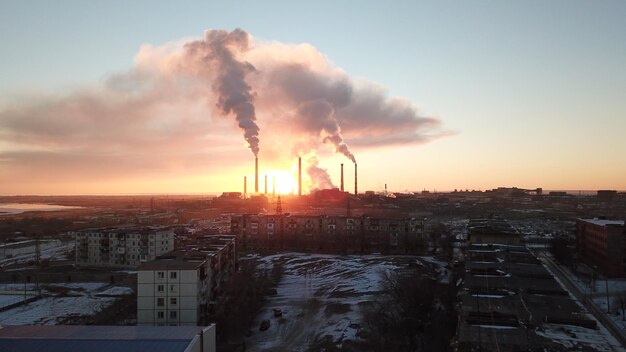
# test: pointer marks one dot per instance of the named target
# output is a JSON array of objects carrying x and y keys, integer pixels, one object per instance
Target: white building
[
  {"x": 181, "y": 287},
  {"x": 121, "y": 247}
]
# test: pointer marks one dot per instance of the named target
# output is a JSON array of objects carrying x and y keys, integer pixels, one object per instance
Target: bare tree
[
  {"x": 619, "y": 301},
  {"x": 411, "y": 313}
]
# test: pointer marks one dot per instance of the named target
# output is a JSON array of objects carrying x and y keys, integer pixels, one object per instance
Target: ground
[
  {"x": 58, "y": 303},
  {"x": 322, "y": 297}
]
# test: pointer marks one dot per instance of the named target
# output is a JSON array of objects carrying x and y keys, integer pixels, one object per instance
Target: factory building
[
  {"x": 182, "y": 287},
  {"x": 121, "y": 247},
  {"x": 601, "y": 243},
  {"x": 327, "y": 233}
]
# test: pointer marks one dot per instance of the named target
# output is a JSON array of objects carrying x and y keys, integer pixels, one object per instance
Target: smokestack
[
  {"x": 273, "y": 185},
  {"x": 299, "y": 176},
  {"x": 265, "y": 184},
  {"x": 341, "y": 177},
  {"x": 256, "y": 174},
  {"x": 245, "y": 187},
  {"x": 356, "y": 189}
]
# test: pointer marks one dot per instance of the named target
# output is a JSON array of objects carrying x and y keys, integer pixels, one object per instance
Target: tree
[
  {"x": 561, "y": 251},
  {"x": 619, "y": 301},
  {"x": 438, "y": 233},
  {"x": 411, "y": 313}
]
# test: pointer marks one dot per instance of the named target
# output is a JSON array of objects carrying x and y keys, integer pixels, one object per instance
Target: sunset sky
[{"x": 112, "y": 97}]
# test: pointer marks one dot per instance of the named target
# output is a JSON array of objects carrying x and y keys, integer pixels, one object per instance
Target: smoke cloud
[
  {"x": 169, "y": 114},
  {"x": 234, "y": 94},
  {"x": 319, "y": 177}
]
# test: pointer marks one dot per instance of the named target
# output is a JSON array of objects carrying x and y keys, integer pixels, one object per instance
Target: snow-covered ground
[
  {"x": 59, "y": 301},
  {"x": 321, "y": 297},
  {"x": 598, "y": 290},
  {"x": 7, "y": 300},
  {"x": 568, "y": 335},
  {"x": 57, "y": 253}
]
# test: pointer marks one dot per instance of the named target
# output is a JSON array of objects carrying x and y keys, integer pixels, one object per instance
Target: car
[{"x": 265, "y": 324}]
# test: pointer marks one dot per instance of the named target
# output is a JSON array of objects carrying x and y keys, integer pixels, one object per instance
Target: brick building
[{"x": 601, "y": 243}]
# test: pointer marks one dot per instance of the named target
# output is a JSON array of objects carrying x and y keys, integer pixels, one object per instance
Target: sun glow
[{"x": 285, "y": 182}]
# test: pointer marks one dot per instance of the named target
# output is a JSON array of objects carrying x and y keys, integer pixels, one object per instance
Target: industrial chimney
[
  {"x": 273, "y": 185},
  {"x": 245, "y": 187},
  {"x": 265, "y": 184},
  {"x": 256, "y": 174},
  {"x": 341, "y": 177},
  {"x": 299, "y": 176},
  {"x": 356, "y": 189}
]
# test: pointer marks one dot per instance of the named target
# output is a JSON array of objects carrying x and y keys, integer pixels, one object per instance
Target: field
[
  {"x": 322, "y": 298},
  {"x": 58, "y": 303}
]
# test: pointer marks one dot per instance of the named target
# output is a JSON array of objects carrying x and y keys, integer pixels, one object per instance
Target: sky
[{"x": 103, "y": 97}]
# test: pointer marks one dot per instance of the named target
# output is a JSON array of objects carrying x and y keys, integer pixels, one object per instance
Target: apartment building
[
  {"x": 121, "y": 247},
  {"x": 332, "y": 233},
  {"x": 182, "y": 286}
]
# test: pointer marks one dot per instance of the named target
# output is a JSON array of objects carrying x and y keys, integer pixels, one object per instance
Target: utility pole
[{"x": 608, "y": 305}]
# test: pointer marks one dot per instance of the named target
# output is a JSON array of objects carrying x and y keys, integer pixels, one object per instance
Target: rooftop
[
  {"x": 53, "y": 338},
  {"x": 604, "y": 222}
]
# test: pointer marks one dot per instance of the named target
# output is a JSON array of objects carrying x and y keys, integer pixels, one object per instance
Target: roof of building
[
  {"x": 53, "y": 338},
  {"x": 604, "y": 222},
  {"x": 510, "y": 301},
  {"x": 176, "y": 260}
]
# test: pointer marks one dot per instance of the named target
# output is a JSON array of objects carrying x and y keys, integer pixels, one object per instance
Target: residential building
[
  {"x": 182, "y": 286},
  {"x": 90, "y": 338},
  {"x": 601, "y": 244},
  {"x": 327, "y": 233},
  {"x": 119, "y": 247}
]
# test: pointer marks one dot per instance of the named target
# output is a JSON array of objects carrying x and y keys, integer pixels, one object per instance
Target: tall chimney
[
  {"x": 273, "y": 185},
  {"x": 256, "y": 174},
  {"x": 245, "y": 187},
  {"x": 266, "y": 184},
  {"x": 356, "y": 189},
  {"x": 341, "y": 177},
  {"x": 299, "y": 176}
]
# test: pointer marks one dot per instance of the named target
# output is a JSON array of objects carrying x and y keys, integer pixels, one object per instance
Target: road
[{"x": 588, "y": 303}]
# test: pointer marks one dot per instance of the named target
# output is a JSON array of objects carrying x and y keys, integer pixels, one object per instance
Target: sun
[{"x": 285, "y": 182}]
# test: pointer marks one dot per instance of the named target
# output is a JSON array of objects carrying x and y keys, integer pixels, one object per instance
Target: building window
[
  {"x": 173, "y": 314},
  {"x": 160, "y": 315},
  {"x": 160, "y": 288},
  {"x": 160, "y": 274},
  {"x": 160, "y": 302},
  {"x": 172, "y": 288},
  {"x": 173, "y": 301},
  {"x": 173, "y": 275}
]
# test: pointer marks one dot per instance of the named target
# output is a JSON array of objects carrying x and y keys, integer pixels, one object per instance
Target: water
[{"x": 18, "y": 208}]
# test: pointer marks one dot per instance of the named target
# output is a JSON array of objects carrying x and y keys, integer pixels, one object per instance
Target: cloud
[{"x": 183, "y": 106}]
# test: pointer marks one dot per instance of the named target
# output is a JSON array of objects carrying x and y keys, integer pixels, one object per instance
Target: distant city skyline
[{"x": 443, "y": 96}]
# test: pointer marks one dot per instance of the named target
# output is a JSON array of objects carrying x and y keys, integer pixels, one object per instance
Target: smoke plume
[
  {"x": 321, "y": 112},
  {"x": 234, "y": 94},
  {"x": 166, "y": 115},
  {"x": 319, "y": 177}
]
